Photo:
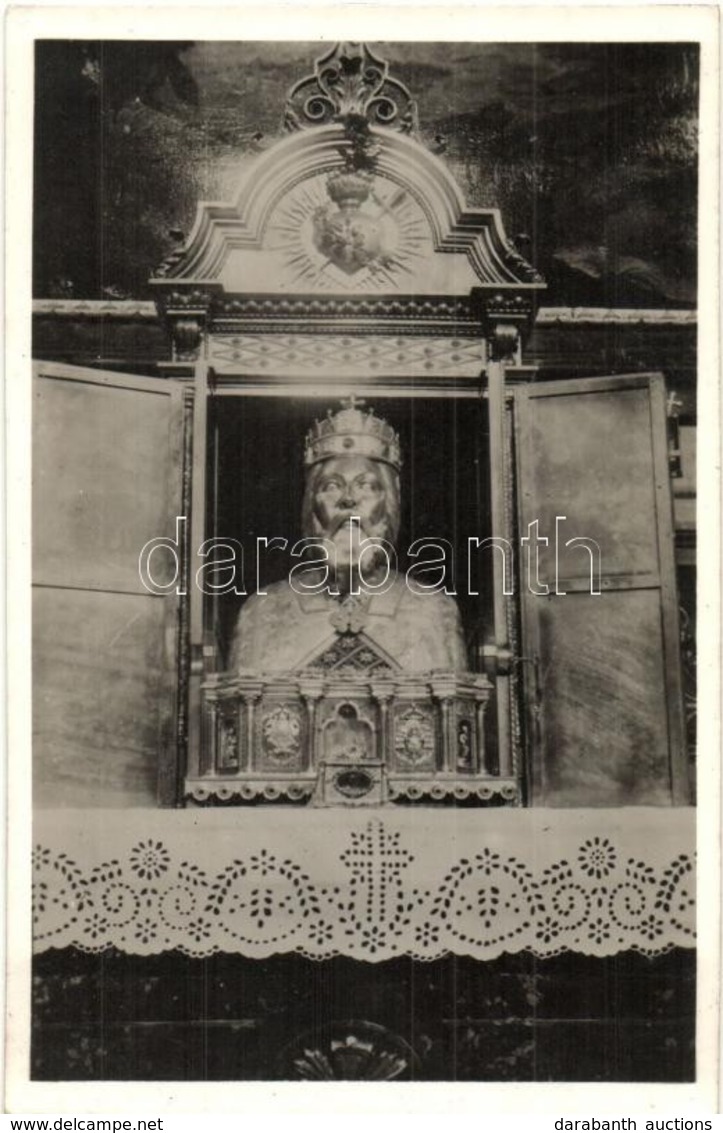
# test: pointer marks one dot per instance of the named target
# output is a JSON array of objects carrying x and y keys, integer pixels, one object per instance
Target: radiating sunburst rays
[{"x": 290, "y": 231}]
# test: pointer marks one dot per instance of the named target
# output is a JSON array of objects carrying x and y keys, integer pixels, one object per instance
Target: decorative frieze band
[
  {"x": 96, "y": 308},
  {"x": 457, "y": 311},
  {"x": 326, "y": 355},
  {"x": 601, "y": 316}
]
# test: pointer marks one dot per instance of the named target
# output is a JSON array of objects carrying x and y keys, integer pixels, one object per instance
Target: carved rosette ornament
[
  {"x": 350, "y": 81},
  {"x": 282, "y": 734},
  {"x": 414, "y": 739}
]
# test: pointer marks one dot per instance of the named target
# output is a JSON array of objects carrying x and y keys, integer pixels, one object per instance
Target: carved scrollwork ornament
[
  {"x": 529, "y": 273},
  {"x": 350, "y": 82},
  {"x": 168, "y": 263}
]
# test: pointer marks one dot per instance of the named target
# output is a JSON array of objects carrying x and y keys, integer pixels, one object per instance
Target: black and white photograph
[{"x": 364, "y": 671}]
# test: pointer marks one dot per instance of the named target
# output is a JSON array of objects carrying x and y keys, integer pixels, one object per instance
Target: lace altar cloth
[{"x": 365, "y": 884}]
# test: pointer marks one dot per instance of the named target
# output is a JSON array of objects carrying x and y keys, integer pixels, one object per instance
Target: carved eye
[
  {"x": 330, "y": 488},
  {"x": 368, "y": 482}
]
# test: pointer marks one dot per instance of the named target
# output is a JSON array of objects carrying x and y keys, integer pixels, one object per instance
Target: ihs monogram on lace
[
  {"x": 380, "y": 904},
  {"x": 350, "y": 615}
]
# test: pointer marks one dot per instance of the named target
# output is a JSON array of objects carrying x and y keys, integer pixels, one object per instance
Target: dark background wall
[
  {"x": 589, "y": 150},
  {"x": 516, "y": 1019}
]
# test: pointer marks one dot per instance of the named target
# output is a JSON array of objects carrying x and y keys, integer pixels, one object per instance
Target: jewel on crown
[{"x": 352, "y": 431}]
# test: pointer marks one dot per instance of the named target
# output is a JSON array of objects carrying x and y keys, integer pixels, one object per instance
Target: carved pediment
[
  {"x": 348, "y": 211},
  {"x": 351, "y": 654},
  {"x": 311, "y": 217}
]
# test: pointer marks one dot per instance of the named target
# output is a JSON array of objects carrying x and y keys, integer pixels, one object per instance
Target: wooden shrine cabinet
[{"x": 350, "y": 266}]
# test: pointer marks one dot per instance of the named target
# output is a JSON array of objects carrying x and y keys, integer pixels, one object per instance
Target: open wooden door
[
  {"x": 111, "y": 471},
  {"x": 602, "y": 671}
]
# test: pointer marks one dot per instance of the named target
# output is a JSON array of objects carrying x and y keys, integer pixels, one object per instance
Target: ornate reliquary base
[{"x": 346, "y": 737}]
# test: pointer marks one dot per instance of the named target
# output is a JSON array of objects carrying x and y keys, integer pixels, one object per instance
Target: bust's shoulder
[
  {"x": 432, "y": 601},
  {"x": 428, "y": 630},
  {"x": 274, "y": 595}
]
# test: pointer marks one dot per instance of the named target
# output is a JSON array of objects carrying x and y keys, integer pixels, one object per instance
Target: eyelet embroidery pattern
[
  {"x": 372, "y": 900},
  {"x": 149, "y": 859},
  {"x": 597, "y": 857}
]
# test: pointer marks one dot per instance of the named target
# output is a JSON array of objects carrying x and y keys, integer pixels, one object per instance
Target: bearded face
[{"x": 349, "y": 499}]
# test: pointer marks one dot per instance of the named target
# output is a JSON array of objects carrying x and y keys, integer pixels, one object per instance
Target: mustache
[{"x": 342, "y": 519}]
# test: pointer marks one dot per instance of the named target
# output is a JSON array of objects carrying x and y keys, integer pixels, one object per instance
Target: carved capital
[
  {"x": 444, "y": 687},
  {"x": 250, "y": 692},
  {"x": 311, "y": 688},
  {"x": 506, "y": 317},
  {"x": 503, "y": 341},
  {"x": 187, "y": 314},
  {"x": 383, "y": 692},
  {"x": 186, "y": 334}
]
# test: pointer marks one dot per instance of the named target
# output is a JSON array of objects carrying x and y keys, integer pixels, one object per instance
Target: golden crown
[
  {"x": 352, "y": 432},
  {"x": 350, "y": 187}
]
